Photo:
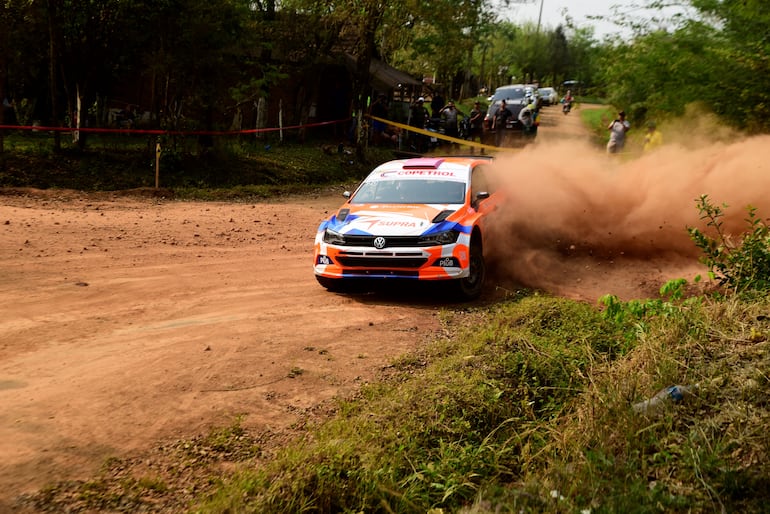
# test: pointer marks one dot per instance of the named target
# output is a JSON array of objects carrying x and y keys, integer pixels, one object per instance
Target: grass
[
  {"x": 234, "y": 169},
  {"x": 596, "y": 120},
  {"x": 527, "y": 407}
]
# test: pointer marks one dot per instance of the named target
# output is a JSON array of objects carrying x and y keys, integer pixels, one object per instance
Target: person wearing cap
[
  {"x": 653, "y": 138},
  {"x": 618, "y": 129}
]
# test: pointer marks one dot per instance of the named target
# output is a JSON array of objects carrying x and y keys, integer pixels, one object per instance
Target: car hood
[{"x": 391, "y": 219}]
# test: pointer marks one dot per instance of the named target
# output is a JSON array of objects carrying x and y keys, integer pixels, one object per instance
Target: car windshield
[
  {"x": 410, "y": 191},
  {"x": 508, "y": 93}
]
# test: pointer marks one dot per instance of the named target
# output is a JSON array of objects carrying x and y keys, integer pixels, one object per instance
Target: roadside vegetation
[{"x": 237, "y": 169}]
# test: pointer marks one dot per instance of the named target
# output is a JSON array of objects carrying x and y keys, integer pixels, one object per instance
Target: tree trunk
[
  {"x": 53, "y": 50},
  {"x": 363, "y": 80}
]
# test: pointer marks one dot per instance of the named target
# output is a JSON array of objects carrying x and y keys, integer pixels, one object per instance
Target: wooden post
[{"x": 157, "y": 165}]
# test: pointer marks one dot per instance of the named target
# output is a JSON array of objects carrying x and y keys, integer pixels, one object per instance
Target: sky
[{"x": 554, "y": 13}]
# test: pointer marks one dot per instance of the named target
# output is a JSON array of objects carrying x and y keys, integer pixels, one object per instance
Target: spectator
[
  {"x": 9, "y": 112},
  {"x": 476, "y": 123},
  {"x": 436, "y": 104},
  {"x": 418, "y": 115},
  {"x": 653, "y": 138},
  {"x": 450, "y": 114},
  {"x": 500, "y": 122},
  {"x": 527, "y": 118},
  {"x": 618, "y": 129},
  {"x": 378, "y": 109}
]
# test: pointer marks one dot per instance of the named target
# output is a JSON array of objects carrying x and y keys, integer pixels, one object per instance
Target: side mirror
[{"x": 481, "y": 195}]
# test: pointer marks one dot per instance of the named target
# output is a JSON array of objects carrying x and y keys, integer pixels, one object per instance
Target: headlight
[
  {"x": 440, "y": 238},
  {"x": 333, "y": 237}
]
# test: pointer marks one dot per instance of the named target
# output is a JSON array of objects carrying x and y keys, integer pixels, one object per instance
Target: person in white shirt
[{"x": 618, "y": 129}]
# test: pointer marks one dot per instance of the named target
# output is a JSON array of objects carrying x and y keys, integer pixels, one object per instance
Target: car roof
[
  {"x": 444, "y": 168},
  {"x": 506, "y": 92}
]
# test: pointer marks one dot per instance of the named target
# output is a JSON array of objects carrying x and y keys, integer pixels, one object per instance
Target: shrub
[{"x": 741, "y": 266}]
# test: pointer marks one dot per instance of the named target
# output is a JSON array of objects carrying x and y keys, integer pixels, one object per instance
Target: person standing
[
  {"x": 436, "y": 104},
  {"x": 476, "y": 124},
  {"x": 653, "y": 138},
  {"x": 618, "y": 129},
  {"x": 450, "y": 114},
  {"x": 418, "y": 115},
  {"x": 500, "y": 122},
  {"x": 378, "y": 109}
]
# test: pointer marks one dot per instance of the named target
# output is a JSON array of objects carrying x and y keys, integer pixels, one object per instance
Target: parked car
[
  {"x": 548, "y": 95},
  {"x": 419, "y": 219},
  {"x": 516, "y": 97}
]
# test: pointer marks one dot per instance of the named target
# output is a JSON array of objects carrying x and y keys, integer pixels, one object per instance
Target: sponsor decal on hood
[{"x": 397, "y": 221}]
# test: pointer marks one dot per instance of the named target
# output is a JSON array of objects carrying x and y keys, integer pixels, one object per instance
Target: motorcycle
[
  {"x": 567, "y": 107},
  {"x": 464, "y": 128},
  {"x": 435, "y": 125}
]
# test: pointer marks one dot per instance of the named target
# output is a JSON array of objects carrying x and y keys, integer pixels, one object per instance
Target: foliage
[
  {"x": 233, "y": 169},
  {"x": 596, "y": 120},
  {"x": 661, "y": 73},
  {"x": 472, "y": 419},
  {"x": 740, "y": 265},
  {"x": 716, "y": 57},
  {"x": 742, "y": 51},
  {"x": 635, "y": 316},
  {"x": 527, "y": 407}
]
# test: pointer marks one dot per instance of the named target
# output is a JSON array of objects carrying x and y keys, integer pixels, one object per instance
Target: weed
[{"x": 742, "y": 265}]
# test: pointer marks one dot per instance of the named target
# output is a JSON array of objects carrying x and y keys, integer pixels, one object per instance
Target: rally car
[{"x": 417, "y": 219}]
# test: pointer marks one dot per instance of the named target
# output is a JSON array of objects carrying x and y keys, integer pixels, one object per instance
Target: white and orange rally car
[{"x": 411, "y": 219}]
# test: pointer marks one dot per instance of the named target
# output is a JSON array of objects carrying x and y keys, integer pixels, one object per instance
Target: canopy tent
[{"x": 385, "y": 78}]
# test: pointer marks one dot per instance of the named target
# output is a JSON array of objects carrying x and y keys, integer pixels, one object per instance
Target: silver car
[{"x": 548, "y": 95}]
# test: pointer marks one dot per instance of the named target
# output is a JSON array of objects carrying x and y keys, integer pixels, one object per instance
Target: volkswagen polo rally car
[{"x": 411, "y": 219}]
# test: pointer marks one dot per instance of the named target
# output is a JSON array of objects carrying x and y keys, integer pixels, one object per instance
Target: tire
[{"x": 470, "y": 287}]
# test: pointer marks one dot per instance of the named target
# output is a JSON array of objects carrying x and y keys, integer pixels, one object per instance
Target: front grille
[
  {"x": 382, "y": 272},
  {"x": 388, "y": 261},
  {"x": 391, "y": 241}
]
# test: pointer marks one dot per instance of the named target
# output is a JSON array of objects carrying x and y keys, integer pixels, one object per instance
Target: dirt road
[{"x": 126, "y": 322}]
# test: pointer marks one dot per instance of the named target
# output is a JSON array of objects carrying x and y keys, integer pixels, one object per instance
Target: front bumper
[{"x": 446, "y": 262}]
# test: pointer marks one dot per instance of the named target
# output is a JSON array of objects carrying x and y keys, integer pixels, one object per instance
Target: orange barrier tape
[{"x": 35, "y": 128}]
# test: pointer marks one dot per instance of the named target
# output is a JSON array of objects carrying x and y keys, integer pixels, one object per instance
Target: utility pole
[{"x": 540, "y": 17}]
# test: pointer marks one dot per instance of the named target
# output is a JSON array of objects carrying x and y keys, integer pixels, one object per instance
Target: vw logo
[{"x": 379, "y": 242}]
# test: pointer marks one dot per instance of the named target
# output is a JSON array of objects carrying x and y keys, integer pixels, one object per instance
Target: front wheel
[{"x": 470, "y": 287}]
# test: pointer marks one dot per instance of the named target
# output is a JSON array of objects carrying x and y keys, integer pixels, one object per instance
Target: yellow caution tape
[{"x": 438, "y": 135}]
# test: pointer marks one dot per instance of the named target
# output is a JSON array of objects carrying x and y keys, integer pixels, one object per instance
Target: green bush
[{"x": 743, "y": 265}]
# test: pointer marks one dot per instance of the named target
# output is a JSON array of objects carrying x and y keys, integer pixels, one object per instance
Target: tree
[{"x": 741, "y": 53}]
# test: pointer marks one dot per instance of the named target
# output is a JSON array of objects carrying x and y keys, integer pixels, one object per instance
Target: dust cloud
[{"x": 579, "y": 223}]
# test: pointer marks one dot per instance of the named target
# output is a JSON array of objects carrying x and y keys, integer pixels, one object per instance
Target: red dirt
[{"x": 127, "y": 321}]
